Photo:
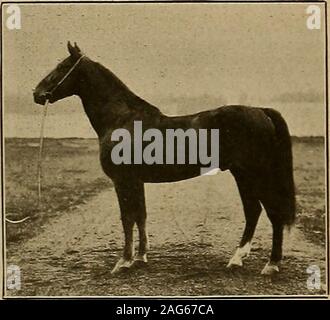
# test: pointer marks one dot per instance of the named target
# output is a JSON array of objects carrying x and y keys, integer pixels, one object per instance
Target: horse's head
[{"x": 62, "y": 81}]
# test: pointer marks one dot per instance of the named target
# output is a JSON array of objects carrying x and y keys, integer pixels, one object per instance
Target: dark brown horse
[{"x": 254, "y": 145}]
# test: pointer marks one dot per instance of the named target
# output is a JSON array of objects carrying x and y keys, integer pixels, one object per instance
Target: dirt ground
[{"x": 193, "y": 225}]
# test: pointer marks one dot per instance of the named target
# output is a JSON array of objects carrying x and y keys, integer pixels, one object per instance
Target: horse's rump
[{"x": 246, "y": 138}]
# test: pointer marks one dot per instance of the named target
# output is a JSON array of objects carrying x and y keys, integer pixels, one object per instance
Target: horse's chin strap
[{"x": 50, "y": 93}]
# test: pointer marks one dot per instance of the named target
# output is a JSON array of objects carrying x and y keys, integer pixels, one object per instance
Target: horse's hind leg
[
  {"x": 273, "y": 213},
  {"x": 252, "y": 209},
  {"x": 132, "y": 208}
]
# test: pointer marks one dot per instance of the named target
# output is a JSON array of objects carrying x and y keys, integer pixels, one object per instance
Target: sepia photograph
[{"x": 158, "y": 149}]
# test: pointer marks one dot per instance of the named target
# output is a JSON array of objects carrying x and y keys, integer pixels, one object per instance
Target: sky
[{"x": 183, "y": 58}]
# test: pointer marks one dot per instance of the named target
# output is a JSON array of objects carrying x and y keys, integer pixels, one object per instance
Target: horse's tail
[{"x": 283, "y": 168}]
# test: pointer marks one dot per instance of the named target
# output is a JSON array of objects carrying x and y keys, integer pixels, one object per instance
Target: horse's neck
[{"x": 108, "y": 103}]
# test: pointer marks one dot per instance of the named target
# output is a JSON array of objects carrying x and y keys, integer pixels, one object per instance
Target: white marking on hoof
[
  {"x": 235, "y": 261},
  {"x": 239, "y": 255},
  {"x": 141, "y": 258},
  {"x": 270, "y": 269},
  {"x": 122, "y": 264}
]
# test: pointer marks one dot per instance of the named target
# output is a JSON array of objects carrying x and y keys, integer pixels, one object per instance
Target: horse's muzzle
[{"x": 40, "y": 98}]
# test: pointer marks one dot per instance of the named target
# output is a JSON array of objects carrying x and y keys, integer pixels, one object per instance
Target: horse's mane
[
  {"x": 114, "y": 83},
  {"x": 110, "y": 76}
]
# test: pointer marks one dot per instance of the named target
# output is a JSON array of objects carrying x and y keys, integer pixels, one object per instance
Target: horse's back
[{"x": 246, "y": 134}]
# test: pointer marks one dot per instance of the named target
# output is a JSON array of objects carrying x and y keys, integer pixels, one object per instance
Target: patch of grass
[{"x": 71, "y": 175}]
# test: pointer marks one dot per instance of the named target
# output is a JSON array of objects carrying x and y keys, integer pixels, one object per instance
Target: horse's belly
[
  {"x": 152, "y": 173},
  {"x": 168, "y": 173}
]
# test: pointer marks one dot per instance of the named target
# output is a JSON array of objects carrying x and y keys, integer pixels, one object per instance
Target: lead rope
[{"x": 41, "y": 143}]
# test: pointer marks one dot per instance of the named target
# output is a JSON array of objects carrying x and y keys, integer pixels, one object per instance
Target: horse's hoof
[
  {"x": 235, "y": 261},
  {"x": 240, "y": 254},
  {"x": 140, "y": 261},
  {"x": 122, "y": 265},
  {"x": 270, "y": 269}
]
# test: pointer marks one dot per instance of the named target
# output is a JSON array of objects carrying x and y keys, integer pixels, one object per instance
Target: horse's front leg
[
  {"x": 141, "y": 256},
  {"x": 132, "y": 207}
]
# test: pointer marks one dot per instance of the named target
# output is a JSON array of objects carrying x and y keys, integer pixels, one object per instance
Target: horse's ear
[
  {"x": 76, "y": 47},
  {"x": 74, "y": 51}
]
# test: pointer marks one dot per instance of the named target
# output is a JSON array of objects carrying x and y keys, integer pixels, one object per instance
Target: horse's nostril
[
  {"x": 39, "y": 95},
  {"x": 47, "y": 95}
]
